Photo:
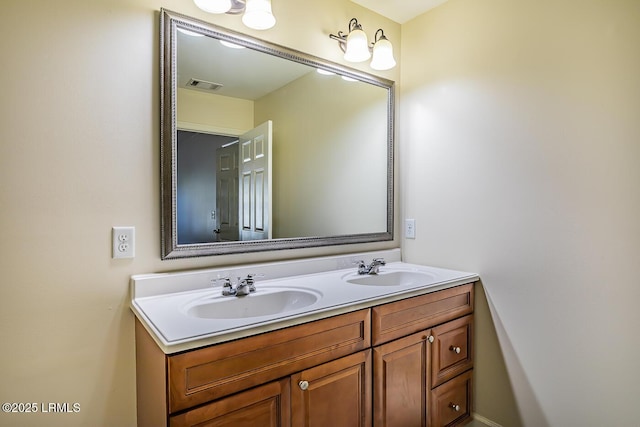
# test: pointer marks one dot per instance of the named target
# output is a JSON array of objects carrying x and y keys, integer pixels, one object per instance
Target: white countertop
[{"x": 161, "y": 301}]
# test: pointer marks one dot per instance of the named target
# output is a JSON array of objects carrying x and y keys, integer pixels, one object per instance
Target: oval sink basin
[
  {"x": 263, "y": 302},
  {"x": 392, "y": 278}
]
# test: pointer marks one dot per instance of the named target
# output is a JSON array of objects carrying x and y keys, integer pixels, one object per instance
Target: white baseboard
[{"x": 484, "y": 420}]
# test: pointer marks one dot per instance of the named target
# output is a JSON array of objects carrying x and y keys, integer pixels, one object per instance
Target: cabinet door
[
  {"x": 400, "y": 372},
  {"x": 335, "y": 394},
  {"x": 265, "y": 406}
]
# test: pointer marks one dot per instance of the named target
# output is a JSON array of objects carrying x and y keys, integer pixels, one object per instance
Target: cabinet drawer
[
  {"x": 398, "y": 319},
  {"x": 451, "y": 402},
  {"x": 213, "y": 372},
  {"x": 451, "y": 350},
  {"x": 265, "y": 406}
]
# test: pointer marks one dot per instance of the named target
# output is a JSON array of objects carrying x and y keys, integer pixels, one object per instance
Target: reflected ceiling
[{"x": 245, "y": 73}]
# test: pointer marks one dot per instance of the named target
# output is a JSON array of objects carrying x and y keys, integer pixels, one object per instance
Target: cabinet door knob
[
  {"x": 456, "y": 350},
  {"x": 454, "y": 407},
  {"x": 430, "y": 338},
  {"x": 303, "y": 385}
]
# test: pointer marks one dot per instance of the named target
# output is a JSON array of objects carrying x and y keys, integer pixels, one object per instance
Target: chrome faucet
[
  {"x": 243, "y": 287},
  {"x": 246, "y": 286},
  {"x": 373, "y": 268}
]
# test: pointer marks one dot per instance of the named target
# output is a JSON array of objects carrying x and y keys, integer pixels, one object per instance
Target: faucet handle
[
  {"x": 362, "y": 267},
  {"x": 251, "y": 276},
  {"x": 217, "y": 280},
  {"x": 227, "y": 287},
  {"x": 250, "y": 280},
  {"x": 379, "y": 261}
]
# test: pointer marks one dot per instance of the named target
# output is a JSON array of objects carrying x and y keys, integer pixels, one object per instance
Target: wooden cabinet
[
  {"x": 406, "y": 363},
  {"x": 209, "y": 373},
  {"x": 337, "y": 393},
  {"x": 418, "y": 375},
  {"x": 190, "y": 388}
]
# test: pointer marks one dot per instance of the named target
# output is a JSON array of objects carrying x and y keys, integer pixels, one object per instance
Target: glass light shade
[
  {"x": 357, "y": 47},
  {"x": 383, "y": 55},
  {"x": 213, "y": 6},
  {"x": 258, "y": 15}
]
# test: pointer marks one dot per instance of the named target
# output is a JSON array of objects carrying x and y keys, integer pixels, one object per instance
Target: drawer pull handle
[
  {"x": 430, "y": 338},
  {"x": 454, "y": 407},
  {"x": 456, "y": 350},
  {"x": 303, "y": 385}
]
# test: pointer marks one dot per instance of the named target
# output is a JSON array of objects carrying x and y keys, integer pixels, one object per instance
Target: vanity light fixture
[
  {"x": 382, "y": 52},
  {"x": 257, "y": 14},
  {"x": 356, "y": 48},
  {"x": 356, "y": 44}
]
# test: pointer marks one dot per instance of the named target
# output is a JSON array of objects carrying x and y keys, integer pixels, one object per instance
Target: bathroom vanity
[
  {"x": 361, "y": 354},
  {"x": 316, "y": 343}
]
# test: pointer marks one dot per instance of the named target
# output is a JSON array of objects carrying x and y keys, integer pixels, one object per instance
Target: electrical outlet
[
  {"x": 410, "y": 228},
  {"x": 123, "y": 242}
]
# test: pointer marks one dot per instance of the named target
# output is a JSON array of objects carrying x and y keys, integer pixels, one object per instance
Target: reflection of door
[
  {"x": 227, "y": 192},
  {"x": 255, "y": 183}
]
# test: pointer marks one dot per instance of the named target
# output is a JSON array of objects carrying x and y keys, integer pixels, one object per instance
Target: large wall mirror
[{"x": 267, "y": 148}]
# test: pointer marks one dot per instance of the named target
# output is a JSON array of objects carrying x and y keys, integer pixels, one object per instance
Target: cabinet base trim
[{"x": 485, "y": 421}]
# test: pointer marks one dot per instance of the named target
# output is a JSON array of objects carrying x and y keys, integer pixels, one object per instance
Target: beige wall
[
  {"x": 318, "y": 147},
  {"x": 79, "y": 153},
  {"x": 210, "y": 113},
  {"x": 324, "y": 152},
  {"x": 520, "y": 159}
]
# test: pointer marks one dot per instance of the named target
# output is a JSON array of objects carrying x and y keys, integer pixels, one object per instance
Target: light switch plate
[{"x": 410, "y": 228}]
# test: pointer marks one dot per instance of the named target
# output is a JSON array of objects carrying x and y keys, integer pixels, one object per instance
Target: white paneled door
[
  {"x": 227, "y": 175},
  {"x": 255, "y": 183}
]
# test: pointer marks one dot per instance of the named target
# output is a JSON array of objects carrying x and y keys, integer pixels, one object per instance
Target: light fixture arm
[
  {"x": 376, "y": 39},
  {"x": 354, "y": 25},
  {"x": 341, "y": 38},
  {"x": 237, "y": 7}
]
